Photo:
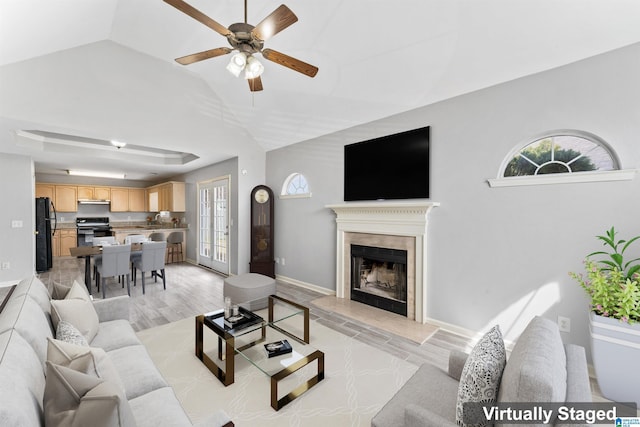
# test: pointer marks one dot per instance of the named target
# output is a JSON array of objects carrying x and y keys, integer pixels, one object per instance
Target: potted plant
[{"x": 611, "y": 282}]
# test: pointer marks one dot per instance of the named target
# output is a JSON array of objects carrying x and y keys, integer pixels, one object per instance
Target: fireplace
[
  {"x": 397, "y": 225},
  {"x": 379, "y": 277}
]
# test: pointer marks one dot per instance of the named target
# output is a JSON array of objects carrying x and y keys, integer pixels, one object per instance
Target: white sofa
[{"x": 25, "y": 327}]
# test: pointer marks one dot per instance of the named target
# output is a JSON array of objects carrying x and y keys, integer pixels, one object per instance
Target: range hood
[{"x": 93, "y": 202}]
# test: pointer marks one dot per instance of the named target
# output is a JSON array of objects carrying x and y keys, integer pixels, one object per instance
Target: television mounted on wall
[{"x": 390, "y": 167}]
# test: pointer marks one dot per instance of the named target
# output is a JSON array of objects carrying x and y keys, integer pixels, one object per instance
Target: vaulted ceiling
[{"x": 76, "y": 73}]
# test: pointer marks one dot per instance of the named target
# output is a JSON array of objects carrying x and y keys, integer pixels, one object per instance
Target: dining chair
[
  {"x": 101, "y": 241},
  {"x": 115, "y": 262},
  {"x": 135, "y": 238},
  {"x": 151, "y": 260}
]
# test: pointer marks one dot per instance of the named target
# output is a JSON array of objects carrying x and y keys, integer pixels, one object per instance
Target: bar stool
[
  {"x": 174, "y": 245},
  {"x": 157, "y": 237}
]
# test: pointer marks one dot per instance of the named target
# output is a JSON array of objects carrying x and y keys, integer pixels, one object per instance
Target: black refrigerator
[{"x": 45, "y": 216}]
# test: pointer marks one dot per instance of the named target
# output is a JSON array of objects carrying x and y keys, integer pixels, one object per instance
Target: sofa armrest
[
  {"x": 116, "y": 308},
  {"x": 218, "y": 419},
  {"x": 417, "y": 416},
  {"x": 457, "y": 359}
]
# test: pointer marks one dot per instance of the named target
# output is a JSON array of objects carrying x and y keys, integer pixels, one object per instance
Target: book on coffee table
[{"x": 277, "y": 348}]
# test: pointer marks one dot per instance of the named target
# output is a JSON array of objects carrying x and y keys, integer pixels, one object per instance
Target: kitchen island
[{"x": 121, "y": 232}]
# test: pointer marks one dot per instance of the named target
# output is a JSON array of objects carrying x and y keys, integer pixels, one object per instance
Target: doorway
[{"x": 213, "y": 224}]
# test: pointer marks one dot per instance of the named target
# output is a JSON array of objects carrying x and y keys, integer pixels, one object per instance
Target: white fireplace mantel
[{"x": 395, "y": 218}]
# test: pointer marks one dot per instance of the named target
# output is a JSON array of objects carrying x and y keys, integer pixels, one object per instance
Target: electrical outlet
[
  {"x": 564, "y": 324},
  {"x": 5, "y": 265},
  {"x": 282, "y": 259},
  {"x": 277, "y": 260}
]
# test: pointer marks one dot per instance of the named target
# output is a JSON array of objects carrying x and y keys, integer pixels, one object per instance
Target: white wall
[
  {"x": 497, "y": 255},
  {"x": 17, "y": 245}
]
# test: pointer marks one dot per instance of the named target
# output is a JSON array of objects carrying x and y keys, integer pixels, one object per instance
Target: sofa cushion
[
  {"x": 68, "y": 333},
  {"x": 536, "y": 370},
  {"x": 137, "y": 371},
  {"x": 480, "y": 377},
  {"x": 59, "y": 290},
  {"x": 21, "y": 382},
  {"x": 160, "y": 408},
  {"x": 115, "y": 334},
  {"x": 77, "y": 399},
  {"x": 429, "y": 387}
]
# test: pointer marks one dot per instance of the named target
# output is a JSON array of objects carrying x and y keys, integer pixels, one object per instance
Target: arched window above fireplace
[{"x": 295, "y": 186}]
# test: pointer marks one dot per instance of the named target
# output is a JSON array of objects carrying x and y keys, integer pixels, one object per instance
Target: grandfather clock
[{"x": 262, "y": 256}]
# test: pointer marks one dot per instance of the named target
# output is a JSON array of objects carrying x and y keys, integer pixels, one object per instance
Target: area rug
[
  {"x": 390, "y": 322},
  {"x": 359, "y": 380}
]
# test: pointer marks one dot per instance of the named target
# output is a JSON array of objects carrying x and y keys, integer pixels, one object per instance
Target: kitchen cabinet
[
  {"x": 93, "y": 193},
  {"x": 46, "y": 190},
  {"x": 137, "y": 200},
  {"x": 169, "y": 196},
  {"x": 127, "y": 199},
  {"x": 63, "y": 240},
  {"x": 119, "y": 200},
  {"x": 68, "y": 239},
  {"x": 66, "y": 198}
]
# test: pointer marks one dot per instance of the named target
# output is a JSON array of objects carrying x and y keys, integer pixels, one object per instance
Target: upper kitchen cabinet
[
  {"x": 46, "y": 190},
  {"x": 66, "y": 198},
  {"x": 93, "y": 193},
  {"x": 169, "y": 196},
  {"x": 128, "y": 200}
]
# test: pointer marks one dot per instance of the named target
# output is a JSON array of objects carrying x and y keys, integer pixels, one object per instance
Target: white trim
[
  {"x": 618, "y": 341},
  {"x": 564, "y": 178},
  {"x": 295, "y": 196},
  {"x": 301, "y": 284}
]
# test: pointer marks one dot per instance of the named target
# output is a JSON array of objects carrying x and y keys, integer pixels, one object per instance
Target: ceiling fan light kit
[{"x": 247, "y": 40}]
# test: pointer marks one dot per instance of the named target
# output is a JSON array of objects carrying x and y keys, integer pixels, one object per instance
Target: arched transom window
[{"x": 296, "y": 185}]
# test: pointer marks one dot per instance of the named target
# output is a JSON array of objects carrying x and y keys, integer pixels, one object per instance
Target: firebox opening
[{"x": 379, "y": 277}]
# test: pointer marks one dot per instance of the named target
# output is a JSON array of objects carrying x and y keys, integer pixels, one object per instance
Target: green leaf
[{"x": 624, "y": 248}]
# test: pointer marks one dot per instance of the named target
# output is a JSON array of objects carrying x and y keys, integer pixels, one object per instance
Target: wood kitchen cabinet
[
  {"x": 128, "y": 200},
  {"x": 137, "y": 202},
  {"x": 169, "y": 196},
  {"x": 46, "y": 190},
  {"x": 63, "y": 240},
  {"x": 93, "y": 193},
  {"x": 66, "y": 198},
  {"x": 119, "y": 200}
]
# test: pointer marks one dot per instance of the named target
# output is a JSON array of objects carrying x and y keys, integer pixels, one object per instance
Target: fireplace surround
[{"x": 398, "y": 225}]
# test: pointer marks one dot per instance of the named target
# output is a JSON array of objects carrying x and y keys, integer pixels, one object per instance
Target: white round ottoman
[{"x": 249, "y": 287}]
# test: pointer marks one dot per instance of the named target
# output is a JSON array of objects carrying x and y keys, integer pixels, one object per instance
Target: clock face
[{"x": 261, "y": 196}]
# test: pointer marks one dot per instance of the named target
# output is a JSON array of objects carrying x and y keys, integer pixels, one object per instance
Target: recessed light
[{"x": 118, "y": 144}]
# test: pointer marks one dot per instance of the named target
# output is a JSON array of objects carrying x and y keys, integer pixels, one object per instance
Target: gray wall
[
  {"x": 497, "y": 255},
  {"x": 17, "y": 195}
]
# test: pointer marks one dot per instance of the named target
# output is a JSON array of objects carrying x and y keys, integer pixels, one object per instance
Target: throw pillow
[
  {"x": 65, "y": 354},
  {"x": 480, "y": 378},
  {"x": 80, "y": 313},
  {"x": 59, "y": 290},
  {"x": 76, "y": 399},
  {"x": 68, "y": 333}
]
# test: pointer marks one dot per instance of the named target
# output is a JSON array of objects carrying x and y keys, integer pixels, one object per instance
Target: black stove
[{"x": 90, "y": 227}]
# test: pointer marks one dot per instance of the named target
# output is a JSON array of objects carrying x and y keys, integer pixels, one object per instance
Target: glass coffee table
[{"x": 286, "y": 320}]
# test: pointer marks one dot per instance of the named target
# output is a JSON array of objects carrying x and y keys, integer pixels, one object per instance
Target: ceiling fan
[{"x": 247, "y": 40}]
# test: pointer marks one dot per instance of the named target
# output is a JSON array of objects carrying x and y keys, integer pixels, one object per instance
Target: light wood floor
[{"x": 193, "y": 290}]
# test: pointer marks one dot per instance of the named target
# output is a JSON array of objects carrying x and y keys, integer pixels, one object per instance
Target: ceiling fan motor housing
[{"x": 242, "y": 39}]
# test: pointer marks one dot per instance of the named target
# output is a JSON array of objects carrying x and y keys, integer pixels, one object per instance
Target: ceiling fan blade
[
  {"x": 199, "y": 16},
  {"x": 289, "y": 62},
  {"x": 279, "y": 19},
  {"x": 255, "y": 84},
  {"x": 201, "y": 56}
]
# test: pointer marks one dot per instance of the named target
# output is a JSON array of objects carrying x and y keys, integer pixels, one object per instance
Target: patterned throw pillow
[
  {"x": 480, "y": 378},
  {"x": 68, "y": 333}
]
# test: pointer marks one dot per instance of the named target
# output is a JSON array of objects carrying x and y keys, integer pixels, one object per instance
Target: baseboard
[
  {"x": 301, "y": 284},
  {"x": 473, "y": 336}
]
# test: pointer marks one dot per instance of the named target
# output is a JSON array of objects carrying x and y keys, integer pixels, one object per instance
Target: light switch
[{"x": 16, "y": 223}]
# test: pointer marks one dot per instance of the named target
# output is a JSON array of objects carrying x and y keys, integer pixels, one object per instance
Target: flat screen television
[{"x": 390, "y": 167}]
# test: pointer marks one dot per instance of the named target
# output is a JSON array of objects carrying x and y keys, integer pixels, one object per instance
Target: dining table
[{"x": 87, "y": 252}]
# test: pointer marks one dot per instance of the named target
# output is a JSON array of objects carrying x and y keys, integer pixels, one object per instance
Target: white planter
[{"x": 615, "y": 349}]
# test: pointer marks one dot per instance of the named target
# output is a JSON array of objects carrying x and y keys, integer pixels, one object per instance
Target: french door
[{"x": 213, "y": 224}]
